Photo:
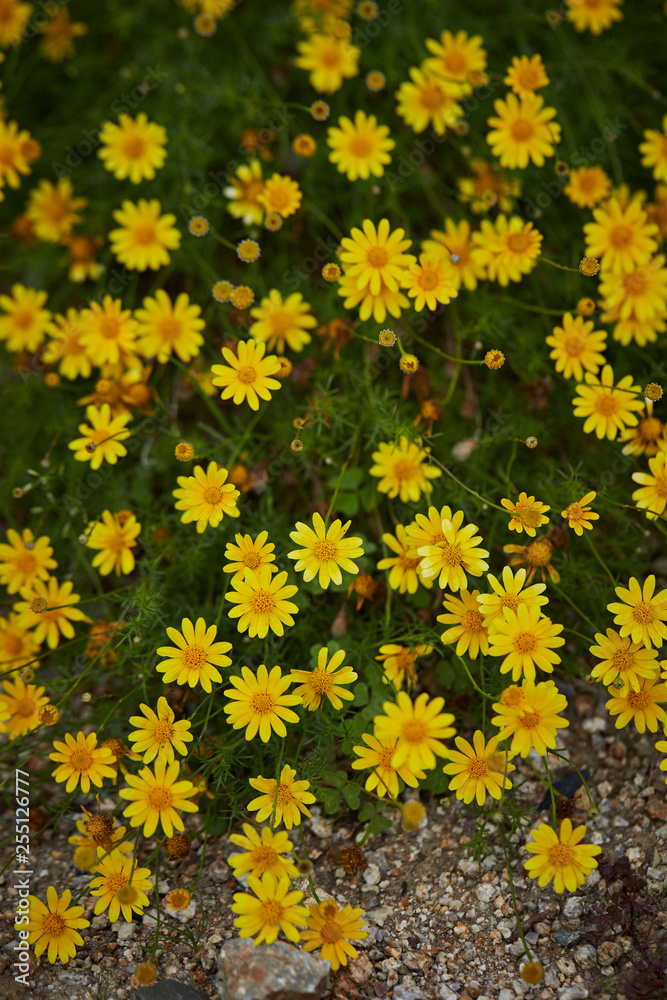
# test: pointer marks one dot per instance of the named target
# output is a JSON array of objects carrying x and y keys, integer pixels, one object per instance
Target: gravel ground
[{"x": 440, "y": 924}]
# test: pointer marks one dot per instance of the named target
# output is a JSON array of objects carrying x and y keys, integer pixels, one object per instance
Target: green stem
[
  {"x": 219, "y": 416},
  {"x": 551, "y": 791},
  {"x": 591, "y": 805},
  {"x": 472, "y": 679},
  {"x": 519, "y": 926},
  {"x": 524, "y": 305},
  {"x": 561, "y": 267},
  {"x": 599, "y": 558}
]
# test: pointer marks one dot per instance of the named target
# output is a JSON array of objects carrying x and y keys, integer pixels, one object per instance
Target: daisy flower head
[
  {"x": 455, "y": 243},
  {"x": 661, "y": 747},
  {"x": 428, "y": 99},
  {"x": 291, "y": 798},
  {"x": 66, "y": 348},
  {"x": 246, "y": 377},
  {"x": 621, "y": 235},
  {"x": 120, "y": 886},
  {"x": 25, "y": 322},
  {"x": 259, "y": 703},
  {"x": 526, "y": 75},
  {"x": 527, "y": 514},
  {"x": 419, "y": 728},
  {"x": 458, "y": 554},
  {"x": 654, "y": 151},
  {"x": 361, "y": 147},
  {"x": 206, "y": 497},
  {"x": 25, "y": 559},
  {"x": 242, "y": 297},
  {"x": 608, "y": 408},
  {"x": 431, "y": 281},
  {"x": 537, "y": 555},
  {"x": 401, "y": 470},
  {"x": 48, "y": 609},
  {"x": 526, "y": 640},
  {"x": 643, "y": 707},
  {"x": 377, "y": 306},
  {"x": 399, "y": 663},
  {"x": 329, "y": 60},
  {"x": 55, "y": 927},
  {"x": 115, "y": 536},
  {"x": 280, "y": 195},
  {"x": 325, "y": 681},
  {"x": 375, "y": 256},
  {"x": 375, "y": 80},
  {"x": 587, "y": 186},
  {"x": 456, "y": 56},
  {"x": 623, "y": 662},
  {"x": 643, "y": 613},
  {"x": 577, "y": 347},
  {"x": 578, "y": 515},
  {"x": 280, "y": 323},
  {"x": 648, "y": 437},
  {"x": 304, "y": 145},
  {"x": 165, "y": 327},
  {"x": 14, "y": 160},
  {"x": 560, "y": 858},
  {"x": 20, "y": 707},
  {"x": 145, "y": 236},
  {"x": 379, "y": 755},
  {"x": 262, "y": 602},
  {"x": 522, "y": 130},
  {"x": 263, "y": 851},
  {"x": 244, "y": 189},
  {"x": 249, "y": 553},
  {"x": 466, "y": 624},
  {"x": 108, "y": 332},
  {"x": 195, "y": 656},
  {"x": 134, "y": 148},
  {"x": 157, "y": 796},
  {"x": 324, "y": 551},
  {"x": 531, "y": 717},
  {"x": 478, "y": 770},
  {"x": 17, "y": 644},
  {"x": 593, "y": 15},
  {"x": 80, "y": 760},
  {"x": 404, "y": 572},
  {"x": 273, "y": 908},
  {"x": 506, "y": 249},
  {"x": 53, "y": 210},
  {"x": 157, "y": 734},
  {"x": 331, "y": 930},
  {"x": 652, "y": 495}
]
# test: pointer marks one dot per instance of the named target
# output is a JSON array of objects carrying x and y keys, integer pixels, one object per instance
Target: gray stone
[
  {"x": 574, "y": 992},
  {"x": 360, "y": 969},
  {"x": 372, "y": 875},
  {"x": 380, "y": 914},
  {"x": 485, "y": 893},
  {"x": 169, "y": 989},
  {"x": 407, "y": 993},
  {"x": 445, "y": 993},
  {"x": 573, "y": 908},
  {"x": 585, "y": 956},
  {"x": 506, "y": 994},
  {"x": 609, "y": 952},
  {"x": 277, "y": 971},
  {"x": 567, "y": 938}
]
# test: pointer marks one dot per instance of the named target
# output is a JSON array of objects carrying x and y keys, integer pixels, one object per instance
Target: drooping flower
[
  {"x": 419, "y": 728},
  {"x": 560, "y": 858},
  {"x": 331, "y": 930},
  {"x": 272, "y": 909},
  {"x": 643, "y": 613},
  {"x": 285, "y": 800},
  {"x": 195, "y": 657},
  {"x": 360, "y": 148},
  {"x": 206, "y": 497},
  {"x": 478, "y": 769},
  {"x": 401, "y": 470},
  {"x": 399, "y": 663},
  {"x": 527, "y": 514},
  {"x": 81, "y": 760},
  {"x": 144, "y": 236},
  {"x": 261, "y": 602},
  {"x": 115, "y": 536},
  {"x": 522, "y": 130},
  {"x": 325, "y": 681},
  {"x": 246, "y": 376},
  {"x": 155, "y": 796},
  {"x": 259, "y": 702},
  {"x": 55, "y": 927},
  {"x": 134, "y": 148}
]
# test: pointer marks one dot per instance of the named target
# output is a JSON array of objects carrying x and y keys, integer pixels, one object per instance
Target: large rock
[{"x": 277, "y": 971}]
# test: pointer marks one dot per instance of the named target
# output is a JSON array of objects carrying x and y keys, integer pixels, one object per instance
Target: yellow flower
[
  {"x": 589, "y": 266},
  {"x": 653, "y": 493},
  {"x": 379, "y": 755},
  {"x": 522, "y": 130},
  {"x": 661, "y": 747},
  {"x": 279, "y": 323},
  {"x": 594, "y": 16},
  {"x": 66, "y": 347},
  {"x": 538, "y": 553},
  {"x": 360, "y": 147},
  {"x": 47, "y": 624},
  {"x": 377, "y": 306},
  {"x": 487, "y": 188},
  {"x": 164, "y": 328},
  {"x": 274, "y": 908},
  {"x": 455, "y": 243},
  {"x": 587, "y": 186},
  {"x": 324, "y": 551},
  {"x": 25, "y": 559},
  {"x": 654, "y": 150},
  {"x": 155, "y": 796},
  {"x": 244, "y": 190},
  {"x": 101, "y": 441},
  {"x": 329, "y": 60},
  {"x": 419, "y": 728},
  {"x": 640, "y": 296},
  {"x": 478, "y": 769},
  {"x": 134, "y": 148},
  {"x": 59, "y": 32},
  {"x": 428, "y": 100},
  {"x": 648, "y": 437},
  {"x": 246, "y": 376},
  {"x": 195, "y": 657},
  {"x": 259, "y": 703},
  {"x": 621, "y": 235},
  {"x": 399, "y": 663},
  {"x": 578, "y": 515},
  {"x": 262, "y": 853},
  {"x": 144, "y": 236},
  {"x": 17, "y": 644},
  {"x": 291, "y": 798},
  {"x": 120, "y": 886},
  {"x": 20, "y": 705},
  {"x": 467, "y": 628},
  {"x": 324, "y": 681},
  {"x": 55, "y": 926},
  {"x": 331, "y": 930},
  {"x": 242, "y": 297},
  {"x": 206, "y": 497},
  {"x": 577, "y": 346},
  {"x": 433, "y": 280},
  {"x": 100, "y": 830},
  {"x": 560, "y": 857},
  {"x": 401, "y": 470},
  {"x": 115, "y": 537},
  {"x": 13, "y": 146},
  {"x": 375, "y": 80},
  {"x": 157, "y": 734},
  {"x": 26, "y": 323},
  {"x": 532, "y": 720},
  {"x": 506, "y": 249},
  {"x": 108, "y": 332},
  {"x": 262, "y": 602},
  {"x": 280, "y": 195},
  {"x": 642, "y": 706},
  {"x": 408, "y": 363},
  {"x": 526, "y": 75},
  {"x": 526, "y": 639},
  {"x": 623, "y": 661},
  {"x": 608, "y": 408},
  {"x": 456, "y": 555},
  {"x": 376, "y": 256},
  {"x": 643, "y": 613},
  {"x": 331, "y": 272},
  {"x": 249, "y": 553},
  {"x": 494, "y": 359},
  {"x": 304, "y": 145},
  {"x": 456, "y": 56},
  {"x": 53, "y": 210},
  {"x": 81, "y": 760},
  {"x": 527, "y": 514},
  {"x": 404, "y": 572}
]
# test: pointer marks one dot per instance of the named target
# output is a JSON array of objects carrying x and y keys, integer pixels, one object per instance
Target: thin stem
[
  {"x": 551, "y": 789},
  {"x": 519, "y": 926},
  {"x": 472, "y": 679},
  {"x": 452, "y": 476},
  {"x": 599, "y": 558},
  {"x": 561, "y": 267}
]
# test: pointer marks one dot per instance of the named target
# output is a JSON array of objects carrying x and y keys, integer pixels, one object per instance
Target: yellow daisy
[
  {"x": 607, "y": 407},
  {"x": 244, "y": 189},
  {"x": 329, "y": 61},
  {"x": 560, "y": 858},
  {"x": 654, "y": 151},
  {"x": 65, "y": 347},
  {"x": 120, "y": 886},
  {"x": 259, "y": 703},
  {"x": 25, "y": 323},
  {"x": 262, "y": 602},
  {"x": 264, "y": 851},
  {"x": 108, "y": 332},
  {"x": 380, "y": 756},
  {"x": 53, "y": 209},
  {"x": 587, "y": 186},
  {"x": 487, "y": 188},
  {"x": 25, "y": 559},
  {"x": 467, "y": 628},
  {"x": 527, "y": 514},
  {"x": 419, "y": 728},
  {"x": 81, "y": 760},
  {"x": 642, "y": 706},
  {"x": 526, "y": 75},
  {"x": 506, "y": 249},
  {"x": 399, "y": 663},
  {"x": 648, "y": 437},
  {"x": 401, "y": 470},
  {"x": 246, "y": 376},
  {"x": 375, "y": 256},
  {"x": 577, "y": 346},
  {"x": 455, "y": 242},
  {"x": 642, "y": 614},
  {"x": 205, "y": 497},
  {"x": 17, "y": 645},
  {"x": 195, "y": 657},
  {"x": 48, "y": 609},
  {"x": 134, "y": 148},
  {"x": 457, "y": 555},
  {"x": 532, "y": 719},
  {"x": 510, "y": 594},
  {"x": 578, "y": 515},
  {"x": 272, "y": 909},
  {"x": 13, "y": 160},
  {"x": 249, "y": 553},
  {"x": 377, "y": 306},
  {"x": 433, "y": 280},
  {"x": 404, "y": 572},
  {"x": 594, "y": 16},
  {"x": 315, "y": 686},
  {"x": 115, "y": 536},
  {"x": 456, "y": 56},
  {"x": 428, "y": 100},
  {"x": 54, "y": 928},
  {"x": 285, "y": 800},
  {"x": 361, "y": 147},
  {"x": 621, "y": 236},
  {"x": 155, "y": 796},
  {"x": 526, "y": 639},
  {"x": 522, "y": 130},
  {"x": 652, "y": 496},
  {"x": 324, "y": 551},
  {"x": 20, "y": 705},
  {"x": 281, "y": 322},
  {"x": 624, "y": 662},
  {"x": 478, "y": 770},
  {"x": 102, "y": 436},
  {"x": 144, "y": 236},
  {"x": 280, "y": 196},
  {"x": 331, "y": 930},
  {"x": 157, "y": 734},
  {"x": 165, "y": 327}
]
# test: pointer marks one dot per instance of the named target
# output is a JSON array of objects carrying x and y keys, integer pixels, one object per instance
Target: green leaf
[
  {"x": 330, "y": 799},
  {"x": 351, "y": 794},
  {"x": 335, "y": 778},
  {"x": 366, "y": 812},
  {"x": 347, "y": 503},
  {"x": 361, "y": 696}
]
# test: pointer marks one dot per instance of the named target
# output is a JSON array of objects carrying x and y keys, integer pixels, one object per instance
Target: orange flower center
[
  {"x": 284, "y": 795},
  {"x": 25, "y": 707},
  {"x": 25, "y": 562},
  {"x": 635, "y": 284},
  {"x": 528, "y": 78},
  {"x": 432, "y": 98},
  {"x": 324, "y": 551},
  {"x": 509, "y": 601},
  {"x": 247, "y": 374},
  {"x": 643, "y": 613},
  {"x": 472, "y": 621},
  {"x": 428, "y": 280},
  {"x": 377, "y": 257},
  {"x": 321, "y": 681},
  {"x": 606, "y": 404},
  {"x": 109, "y": 328},
  {"x": 213, "y": 495},
  {"x": 451, "y": 554},
  {"x": 53, "y": 925},
  {"x": 331, "y": 932},
  {"x": 574, "y": 345},
  {"x": 518, "y": 242},
  {"x": 385, "y": 757},
  {"x": 23, "y": 319},
  {"x": 330, "y": 57},
  {"x": 265, "y": 856},
  {"x": 620, "y": 237},
  {"x": 407, "y": 564},
  {"x": 529, "y": 720},
  {"x": 280, "y": 321},
  {"x": 115, "y": 882},
  {"x": 262, "y": 602},
  {"x": 270, "y": 912},
  {"x": 414, "y": 731},
  {"x": 525, "y": 642},
  {"x": 455, "y": 62},
  {"x": 194, "y": 657},
  {"x": 144, "y": 234},
  {"x": 170, "y": 327},
  {"x": 477, "y": 767},
  {"x": 529, "y": 516},
  {"x": 279, "y": 197},
  {"x": 262, "y": 703},
  {"x": 81, "y": 760},
  {"x": 639, "y": 699},
  {"x": 650, "y": 428},
  {"x": 361, "y": 145},
  {"x": 134, "y": 147},
  {"x": 252, "y": 560},
  {"x": 159, "y": 798},
  {"x": 622, "y": 660},
  {"x": 660, "y": 486},
  {"x": 575, "y": 513},
  {"x": 522, "y": 130},
  {"x": 12, "y": 644},
  {"x": 163, "y": 731},
  {"x": 561, "y": 855},
  {"x": 406, "y": 468}
]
